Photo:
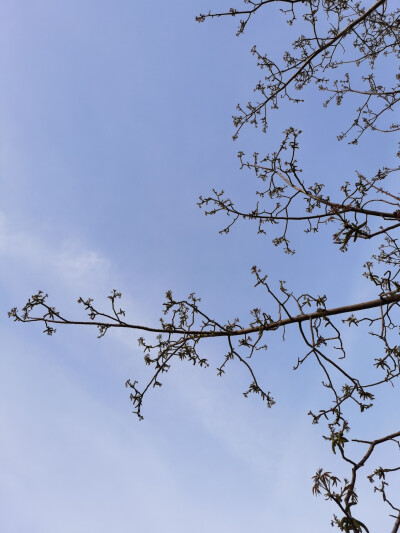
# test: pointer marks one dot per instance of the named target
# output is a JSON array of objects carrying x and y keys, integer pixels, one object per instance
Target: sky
[{"x": 115, "y": 117}]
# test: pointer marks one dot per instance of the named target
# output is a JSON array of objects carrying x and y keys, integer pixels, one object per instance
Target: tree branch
[{"x": 270, "y": 326}]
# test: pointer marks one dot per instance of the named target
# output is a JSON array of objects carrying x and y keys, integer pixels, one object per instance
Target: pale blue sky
[{"x": 115, "y": 117}]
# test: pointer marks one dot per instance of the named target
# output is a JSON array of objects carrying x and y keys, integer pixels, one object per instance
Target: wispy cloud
[{"x": 27, "y": 254}]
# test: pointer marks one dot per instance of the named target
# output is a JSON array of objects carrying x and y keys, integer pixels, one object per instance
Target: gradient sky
[{"x": 115, "y": 117}]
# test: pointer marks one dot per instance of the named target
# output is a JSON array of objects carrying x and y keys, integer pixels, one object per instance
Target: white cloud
[{"x": 26, "y": 253}]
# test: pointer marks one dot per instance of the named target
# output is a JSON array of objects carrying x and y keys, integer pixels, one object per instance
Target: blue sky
[{"x": 115, "y": 117}]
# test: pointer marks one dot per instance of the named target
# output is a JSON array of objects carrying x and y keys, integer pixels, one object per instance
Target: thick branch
[{"x": 225, "y": 332}]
